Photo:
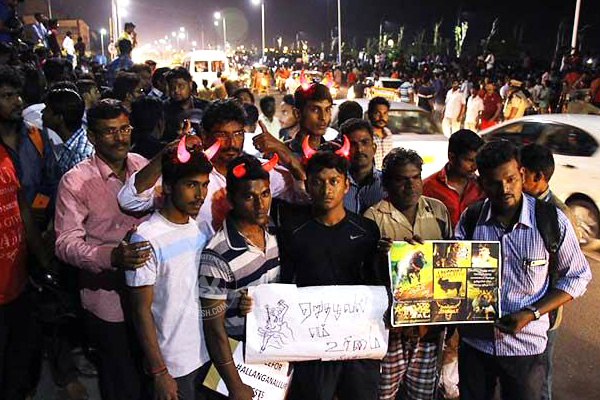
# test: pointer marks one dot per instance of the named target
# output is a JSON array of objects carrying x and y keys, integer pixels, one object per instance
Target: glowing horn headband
[
  {"x": 240, "y": 170},
  {"x": 183, "y": 155}
]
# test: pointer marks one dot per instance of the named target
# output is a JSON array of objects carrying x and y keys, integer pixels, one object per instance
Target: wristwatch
[{"x": 534, "y": 310}]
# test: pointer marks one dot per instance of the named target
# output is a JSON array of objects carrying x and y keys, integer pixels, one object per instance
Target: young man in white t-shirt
[
  {"x": 474, "y": 110},
  {"x": 165, "y": 291},
  {"x": 453, "y": 109}
]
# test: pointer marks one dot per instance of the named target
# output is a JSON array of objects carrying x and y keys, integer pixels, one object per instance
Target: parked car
[
  {"x": 573, "y": 138},
  {"x": 412, "y": 128}
]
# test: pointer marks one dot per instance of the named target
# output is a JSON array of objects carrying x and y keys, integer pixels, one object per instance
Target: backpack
[{"x": 546, "y": 219}]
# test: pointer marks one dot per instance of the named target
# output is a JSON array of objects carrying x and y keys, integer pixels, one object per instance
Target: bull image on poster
[{"x": 445, "y": 282}]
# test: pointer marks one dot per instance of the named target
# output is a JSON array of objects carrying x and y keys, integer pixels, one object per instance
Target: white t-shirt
[
  {"x": 173, "y": 271},
  {"x": 454, "y": 102},
  {"x": 69, "y": 45},
  {"x": 273, "y": 127},
  {"x": 474, "y": 107},
  {"x": 490, "y": 60}
]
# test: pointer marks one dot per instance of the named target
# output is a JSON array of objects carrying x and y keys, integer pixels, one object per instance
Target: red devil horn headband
[
  {"x": 212, "y": 150},
  {"x": 308, "y": 152},
  {"x": 240, "y": 170},
  {"x": 184, "y": 155},
  {"x": 306, "y": 149},
  {"x": 344, "y": 151}
]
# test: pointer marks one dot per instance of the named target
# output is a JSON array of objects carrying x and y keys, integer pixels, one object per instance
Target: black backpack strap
[
  {"x": 546, "y": 219},
  {"x": 471, "y": 217}
]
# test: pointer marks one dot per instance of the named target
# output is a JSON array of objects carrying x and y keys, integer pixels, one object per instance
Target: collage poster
[{"x": 442, "y": 282}]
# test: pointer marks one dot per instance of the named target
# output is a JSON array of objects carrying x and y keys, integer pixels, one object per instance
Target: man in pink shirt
[{"x": 92, "y": 235}]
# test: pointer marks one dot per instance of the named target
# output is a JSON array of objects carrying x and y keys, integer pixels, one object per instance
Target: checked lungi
[{"x": 410, "y": 365}]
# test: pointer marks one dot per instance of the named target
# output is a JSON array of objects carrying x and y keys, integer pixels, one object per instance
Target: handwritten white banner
[{"x": 316, "y": 323}]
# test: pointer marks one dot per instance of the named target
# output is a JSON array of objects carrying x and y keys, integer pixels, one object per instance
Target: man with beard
[
  {"x": 454, "y": 108},
  {"x": 512, "y": 350},
  {"x": 92, "y": 234},
  {"x": 165, "y": 291},
  {"x": 377, "y": 113},
  {"x": 223, "y": 133},
  {"x": 181, "y": 98},
  {"x": 345, "y": 255},
  {"x": 242, "y": 253},
  {"x": 455, "y": 185},
  {"x": 410, "y": 364},
  {"x": 314, "y": 106},
  {"x": 365, "y": 180}
]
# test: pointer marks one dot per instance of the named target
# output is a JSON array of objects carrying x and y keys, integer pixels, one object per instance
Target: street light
[
  {"x": 339, "y": 32},
  {"x": 262, "y": 11},
  {"x": 182, "y": 29},
  {"x": 102, "y": 33},
  {"x": 218, "y": 16}
]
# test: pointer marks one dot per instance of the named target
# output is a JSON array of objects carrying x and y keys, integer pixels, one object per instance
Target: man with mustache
[
  {"x": 455, "y": 185},
  {"x": 512, "y": 350},
  {"x": 410, "y": 364},
  {"x": 365, "y": 180},
  {"x": 223, "y": 132},
  {"x": 377, "y": 113}
]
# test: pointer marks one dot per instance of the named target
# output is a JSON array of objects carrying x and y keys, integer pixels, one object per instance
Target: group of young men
[{"x": 165, "y": 247}]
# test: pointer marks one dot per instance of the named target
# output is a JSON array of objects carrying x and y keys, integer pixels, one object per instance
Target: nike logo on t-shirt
[{"x": 352, "y": 237}]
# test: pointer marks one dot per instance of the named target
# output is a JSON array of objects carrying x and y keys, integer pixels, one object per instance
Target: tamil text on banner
[
  {"x": 316, "y": 323},
  {"x": 442, "y": 282},
  {"x": 269, "y": 381}
]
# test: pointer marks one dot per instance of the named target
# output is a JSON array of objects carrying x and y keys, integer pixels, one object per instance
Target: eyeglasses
[
  {"x": 111, "y": 132},
  {"x": 229, "y": 136}
]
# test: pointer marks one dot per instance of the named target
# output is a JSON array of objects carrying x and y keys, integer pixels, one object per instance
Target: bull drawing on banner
[{"x": 276, "y": 333}]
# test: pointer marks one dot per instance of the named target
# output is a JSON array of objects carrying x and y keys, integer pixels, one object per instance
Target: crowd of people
[{"x": 135, "y": 215}]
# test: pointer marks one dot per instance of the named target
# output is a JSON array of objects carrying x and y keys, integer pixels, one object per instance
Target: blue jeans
[{"x": 549, "y": 355}]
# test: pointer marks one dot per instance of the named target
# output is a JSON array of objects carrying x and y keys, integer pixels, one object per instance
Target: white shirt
[
  {"x": 504, "y": 91},
  {"x": 273, "y": 127},
  {"x": 173, "y": 271},
  {"x": 454, "y": 101},
  {"x": 489, "y": 60},
  {"x": 33, "y": 116},
  {"x": 69, "y": 45},
  {"x": 474, "y": 107}
]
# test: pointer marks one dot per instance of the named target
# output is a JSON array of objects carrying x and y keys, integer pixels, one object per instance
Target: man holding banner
[{"x": 412, "y": 357}]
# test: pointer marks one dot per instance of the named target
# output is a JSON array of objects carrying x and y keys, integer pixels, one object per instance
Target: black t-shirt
[
  {"x": 173, "y": 113},
  {"x": 313, "y": 254},
  {"x": 426, "y": 93}
]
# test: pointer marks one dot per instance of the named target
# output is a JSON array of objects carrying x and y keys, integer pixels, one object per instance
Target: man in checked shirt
[{"x": 512, "y": 350}]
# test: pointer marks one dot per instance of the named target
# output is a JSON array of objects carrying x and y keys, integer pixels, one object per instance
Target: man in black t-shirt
[
  {"x": 326, "y": 245},
  {"x": 426, "y": 94}
]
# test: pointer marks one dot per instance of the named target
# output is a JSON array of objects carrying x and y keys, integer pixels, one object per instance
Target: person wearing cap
[
  {"x": 130, "y": 34},
  {"x": 516, "y": 101}
]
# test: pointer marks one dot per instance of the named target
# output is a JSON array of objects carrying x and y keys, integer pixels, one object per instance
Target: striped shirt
[
  {"x": 75, "y": 150},
  {"x": 523, "y": 281},
  {"x": 384, "y": 146},
  {"x": 360, "y": 198},
  {"x": 229, "y": 264}
]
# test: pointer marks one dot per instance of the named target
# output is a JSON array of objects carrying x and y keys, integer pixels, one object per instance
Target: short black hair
[
  {"x": 10, "y": 76},
  {"x": 159, "y": 73},
  {"x": 223, "y": 111},
  {"x": 105, "y": 109},
  {"x": 173, "y": 170},
  {"x": 463, "y": 141},
  {"x": 377, "y": 101},
  {"x": 35, "y": 89},
  {"x": 254, "y": 172},
  {"x": 237, "y": 94},
  {"x": 129, "y": 25},
  {"x": 356, "y": 124},
  {"x": 178, "y": 73},
  {"x": 496, "y": 153},
  {"x": 315, "y": 92},
  {"x": 69, "y": 105},
  {"x": 125, "y": 46},
  {"x": 145, "y": 114},
  {"x": 251, "y": 114},
  {"x": 125, "y": 83},
  {"x": 69, "y": 33},
  {"x": 57, "y": 69},
  {"x": 399, "y": 156},
  {"x": 537, "y": 158},
  {"x": 266, "y": 100},
  {"x": 349, "y": 110},
  {"x": 327, "y": 160},
  {"x": 137, "y": 68},
  {"x": 86, "y": 85},
  {"x": 289, "y": 100}
]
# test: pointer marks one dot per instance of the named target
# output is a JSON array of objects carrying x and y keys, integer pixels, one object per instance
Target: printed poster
[
  {"x": 288, "y": 323},
  {"x": 442, "y": 282}
]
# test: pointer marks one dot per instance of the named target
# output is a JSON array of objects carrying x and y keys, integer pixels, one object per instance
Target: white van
[{"x": 205, "y": 64}]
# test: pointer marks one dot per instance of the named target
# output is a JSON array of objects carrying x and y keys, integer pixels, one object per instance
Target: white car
[
  {"x": 413, "y": 128},
  {"x": 388, "y": 89},
  {"x": 574, "y": 139}
]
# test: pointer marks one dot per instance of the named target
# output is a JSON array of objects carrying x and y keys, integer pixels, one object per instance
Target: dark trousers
[
  {"x": 19, "y": 348},
  {"x": 186, "y": 385},
  {"x": 549, "y": 354},
  {"x": 321, "y": 380},
  {"x": 521, "y": 377},
  {"x": 119, "y": 374}
]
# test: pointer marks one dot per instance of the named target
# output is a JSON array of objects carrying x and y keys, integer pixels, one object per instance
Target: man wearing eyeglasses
[
  {"x": 92, "y": 234},
  {"x": 223, "y": 121}
]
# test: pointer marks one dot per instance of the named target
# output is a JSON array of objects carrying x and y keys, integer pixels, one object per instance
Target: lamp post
[
  {"x": 102, "y": 33},
  {"x": 218, "y": 16},
  {"x": 262, "y": 11},
  {"x": 339, "y": 32},
  {"x": 576, "y": 24}
]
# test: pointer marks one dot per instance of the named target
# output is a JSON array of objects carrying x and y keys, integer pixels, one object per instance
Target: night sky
[{"x": 156, "y": 18}]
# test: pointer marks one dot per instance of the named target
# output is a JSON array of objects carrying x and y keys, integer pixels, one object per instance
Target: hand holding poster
[
  {"x": 443, "y": 281},
  {"x": 326, "y": 323}
]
